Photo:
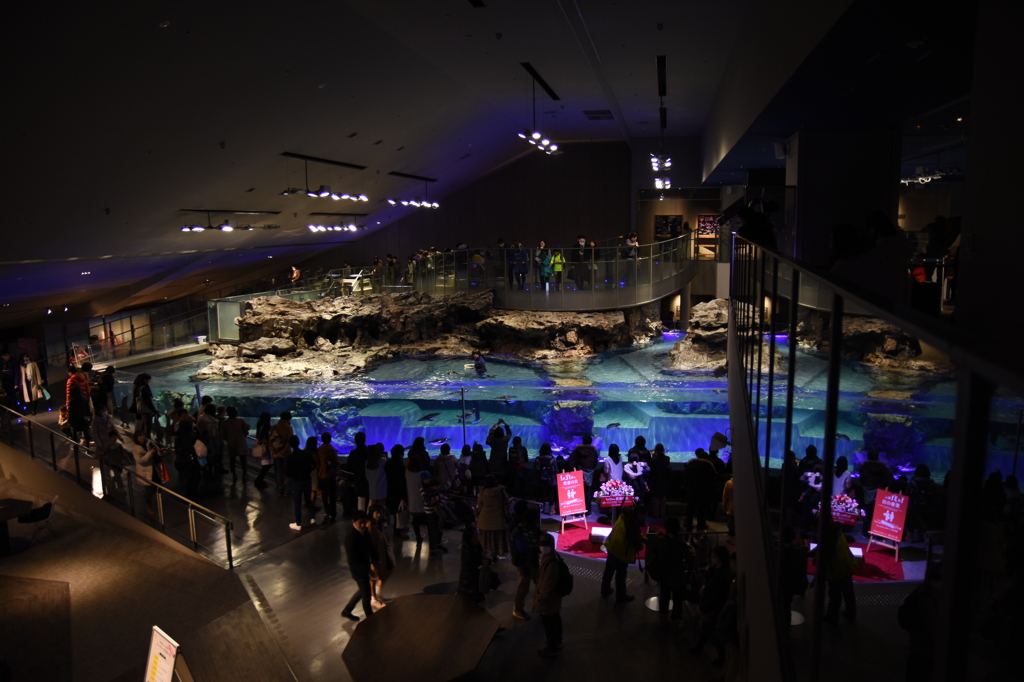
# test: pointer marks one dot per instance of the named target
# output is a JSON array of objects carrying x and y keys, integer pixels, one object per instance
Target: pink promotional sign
[
  {"x": 890, "y": 516},
  {"x": 571, "y": 493}
]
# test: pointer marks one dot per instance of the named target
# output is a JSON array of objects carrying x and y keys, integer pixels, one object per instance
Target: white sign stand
[{"x": 165, "y": 662}]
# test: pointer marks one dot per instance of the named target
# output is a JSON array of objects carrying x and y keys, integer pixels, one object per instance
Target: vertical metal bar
[
  {"x": 31, "y": 441},
  {"x": 192, "y": 527},
  {"x": 464, "y": 417},
  {"x": 771, "y": 377},
  {"x": 131, "y": 489},
  {"x": 759, "y": 342},
  {"x": 794, "y": 302},
  {"x": 160, "y": 510},
  {"x": 78, "y": 468},
  {"x": 973, "y": 402},
  {"x": 827, "y": 478},
  {"x": 103, "y": 477},
  {"x": 53, "y": 451},
  {"x": 227, "y": 541},
  {"x": 732, "y": 271}
]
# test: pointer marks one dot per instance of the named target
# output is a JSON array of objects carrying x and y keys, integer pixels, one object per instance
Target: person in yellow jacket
[
  {"x": 622, "y": 545},
  {"x": 557, "y": 264}
]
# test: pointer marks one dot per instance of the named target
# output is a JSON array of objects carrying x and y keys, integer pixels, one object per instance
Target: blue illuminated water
[{"x": 616, "y": 396}]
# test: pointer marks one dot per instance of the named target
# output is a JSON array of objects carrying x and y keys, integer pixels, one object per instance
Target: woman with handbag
[{"x": 261, "y": 450}]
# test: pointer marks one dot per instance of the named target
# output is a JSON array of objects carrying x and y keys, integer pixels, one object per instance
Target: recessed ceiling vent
[{"x": 598, "y": 114}]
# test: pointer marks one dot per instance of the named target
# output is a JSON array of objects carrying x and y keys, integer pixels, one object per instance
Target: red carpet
[
  {"x": 576, "y": 540},
  {"x": 879, "y": 564}
]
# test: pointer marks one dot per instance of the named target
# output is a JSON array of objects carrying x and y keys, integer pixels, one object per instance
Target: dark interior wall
[
  {"x": 585, "y": 190},
  {"x": 992, "y": 241}
]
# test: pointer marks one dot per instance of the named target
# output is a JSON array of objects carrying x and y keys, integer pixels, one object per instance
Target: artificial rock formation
[
  {"x": 868, "y": 340},
  {"x": 330, "y": 339},
  {"x": 705, "y": 345}
]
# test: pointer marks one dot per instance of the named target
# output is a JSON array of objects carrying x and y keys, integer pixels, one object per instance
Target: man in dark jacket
[
  {"x": 299, "y": 466},
  {"x": 584, "y": 457},
  {"x": 700, "y": 479},
  {"x": 579, "y": 257},
  {"x": 874, "y": 476},
  {"x": 670, "y": 562},
  {"x": 362, "y": 558},
  {"x": 356, "y": 465},
  {"x": 327, "y": 476}
]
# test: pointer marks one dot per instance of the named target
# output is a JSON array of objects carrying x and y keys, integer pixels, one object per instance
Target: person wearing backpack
[{"x": 553, "y": 583}]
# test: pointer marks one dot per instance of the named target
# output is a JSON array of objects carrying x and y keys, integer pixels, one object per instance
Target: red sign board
[
  {"x": 571, "y": 493},
  {"x": 890, "y": 516}
]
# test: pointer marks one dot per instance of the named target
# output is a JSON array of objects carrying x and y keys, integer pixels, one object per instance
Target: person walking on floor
[
  {"x": 413, "y": 479},
  {"x": 377, "y": 531},
  {"x": 376, "y": 479},
  {"x": 362, "y": 561},
  {"x": 713, "y": 596},
  {"x": 146, "y": 454},
  {"x": 398, "y": 492},
  {"x": 299, "y": 466},
  {"x": 430, "y": 491},
  {"x": 263, "y": 439},
  {"x": 108, "y": 446},
  {"x": 492, "y": 517},
  {"x": 670, "y": 561},
  {"x": 234, "y": 430},
  {"x": 280, "y": 436},
  {"x": 547, "y": 600},
  {"x": 623, "y": 544},
  {"x": 327, "y": 473},
  {"x": 524, "y": 544}
]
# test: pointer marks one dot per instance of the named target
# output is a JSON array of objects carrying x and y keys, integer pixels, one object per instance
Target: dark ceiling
[{"x": 121, "y": 117}]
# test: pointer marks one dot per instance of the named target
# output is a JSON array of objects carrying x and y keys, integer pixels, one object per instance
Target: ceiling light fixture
[
  {"x": 537, "y": 139},
  {"x": 324, "y": 191},
  {"x": 415, "y": 201},
  {"x": 660, "y": 161}
]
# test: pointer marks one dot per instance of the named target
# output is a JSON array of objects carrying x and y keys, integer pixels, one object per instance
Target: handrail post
[
  {"x": 31, "y": 441},
  {"x": 131, "y": 489},
  {"x": 103, "y": 477},
  {"x": 192, "y": 527},
  {"x": 827, "y": 480},
  {"x": 160, "y": 510},
  {"x": 227, "y": 541},
  {"x": 78, "y": 467},
  {"x": 53, "y": 451}
]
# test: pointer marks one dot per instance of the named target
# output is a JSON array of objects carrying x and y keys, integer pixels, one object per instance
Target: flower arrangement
[
  {"x": 846, "y": 505},
  {"x": 615, "y": 488}
]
